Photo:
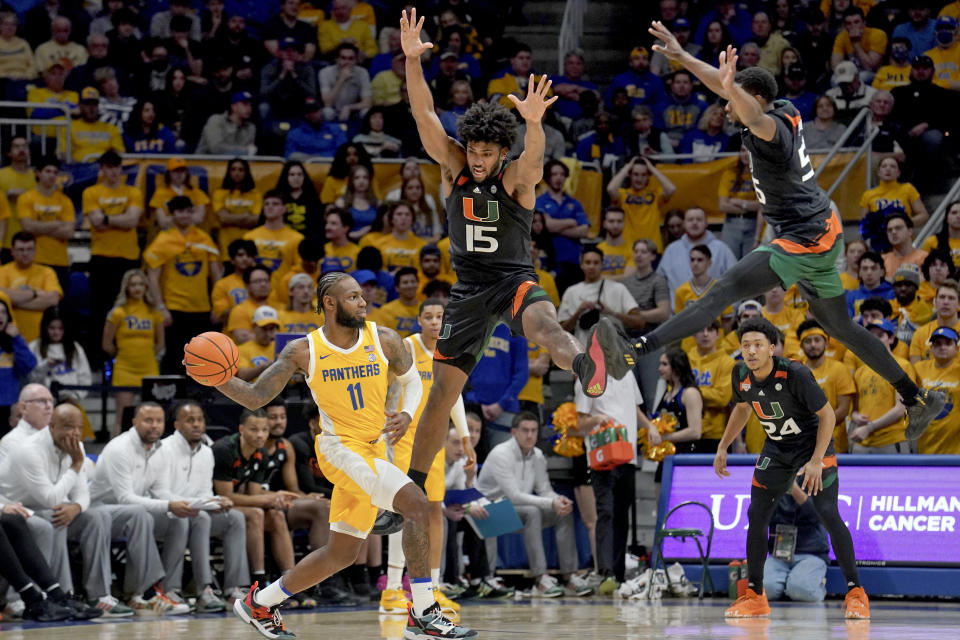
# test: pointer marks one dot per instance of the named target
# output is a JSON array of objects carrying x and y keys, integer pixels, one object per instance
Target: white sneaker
[
  {"x": 163, "y": 604},
  {"x": 577, "y": 586},
  {"x": 546, "y": 587},
  {"x": 236, "y": 594},
  {"x": 14, "y": 610},
  {"x": 111, "y": 607},
  {"x": 594, "y": 579}
]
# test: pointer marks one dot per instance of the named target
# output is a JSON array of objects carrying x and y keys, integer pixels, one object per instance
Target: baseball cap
[
  {"x": 846, "y": 71},
  {"x": 289, "y": 43},
  {"x": 907, "y": 273},
  {"x": 176, "y": 163},
  {"x": 311, "y": 104},
  {"x": 363, "y": 276},
  {"x": 636, "y": 51},
  {"x": 300, "y": 278},
  {"x": 922, "y": 61},
  {"x": 241, "y": 96},
  {"x": 749, "y": 304},
  {"x": 448, "y": 54},
  {"x": 944, "y": 332},
  {"x": 886, "y": 325},
  {"x": 681, "y": 23},
  {"x": 55, "y": 63},
  {"x": 265, "y": 316},
  {"x": 179, "y": 202},
  {"x": 797, "y": 71},
  {"x": 946, "y": 22},
  {"x": 89, "y": 94}
]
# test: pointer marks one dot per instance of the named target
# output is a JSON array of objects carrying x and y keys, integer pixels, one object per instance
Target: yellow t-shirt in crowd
[
  {"x": 919, "y": 345},
  {"x": 836, "y": 380},
  {"x": 135, "y": 336},
  {"x": 55, "y": 208},
  {"x": 398, "y": 316},
  {"x": 42, "y": 94},
  {"x": 787, "y": 320},
  {"x": 299, "y": 321},
  {"x": 533, "y": 390},
  {"x": 329, "y": 34},
  {"x": 184, "y": 261},
  {"x": 254, "y": 354},
  {"x": 36, "y": 276},
  {"x": 946, "y": 64},
  {"x": 952, "y": 10},
  {"x": 90, "y": 140},
  {"x": 549, "y": 284},
  {"x": 446, "y": 267},
  {"x": 943, "y": 434},
  {"x": 872, "y": 40},
  {"x": 340, "y": 258},
  {"x": 235, "y": 202},
  {"x": 280, "y": 286},
  {"x": 891, "y": 76},
  {"x": 228, "y": 291},
  {"x": 852, "y": 362},
  {"x": 616, "y": 258},
  {"x": 276, "y": 248},
  {"x": 848, "y": 282},
  {"x": 931, "y": 243},
  {"x": 713, "y": 373},
  {"x": 401, "y": 252},
  {"x": 876, "y": 396},
  {"x": 332, "y": 189},
  {"x": 165, "y": 194},
  {"x": 11, "y": 179},
  {"x": 643, "y": 216},
  {"x": 687, "y": 293},
  {"x": 734, "y": 185},
  {"x": 890, "y": 194},
  {"x": 112, "y": 242},
  {"x": 241, "y": 317},
  {"x": 919, "y": 311}
]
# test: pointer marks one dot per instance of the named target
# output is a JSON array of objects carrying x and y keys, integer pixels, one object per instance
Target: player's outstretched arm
[
  {"x": 528, "y": 169},
  {"x": 748, "y": 110},
  {"x": 293, "y": 359},
  {"x": 675, "y": 53},
  {"x": 446, "y": 151}
]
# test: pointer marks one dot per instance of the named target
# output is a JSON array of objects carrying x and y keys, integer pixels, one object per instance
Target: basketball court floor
[{"x": 580, "y": 619}]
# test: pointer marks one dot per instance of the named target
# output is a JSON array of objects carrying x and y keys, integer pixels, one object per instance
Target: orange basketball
[{"x": 211, "y": 358}]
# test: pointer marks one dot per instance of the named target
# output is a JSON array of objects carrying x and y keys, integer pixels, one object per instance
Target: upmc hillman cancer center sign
[{"x": 901, "y": 510}]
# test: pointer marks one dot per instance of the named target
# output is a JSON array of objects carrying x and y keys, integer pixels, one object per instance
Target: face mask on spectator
[
  {"x": 900, "y": 55},
  {"x": 944, "y": 36}
]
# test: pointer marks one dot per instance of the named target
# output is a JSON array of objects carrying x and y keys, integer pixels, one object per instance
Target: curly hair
[
  {"x": 758, "y": 82},
  {"x": 487, "y": 122}
]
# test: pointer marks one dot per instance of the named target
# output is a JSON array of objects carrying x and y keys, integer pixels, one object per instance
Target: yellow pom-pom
[{"x": 565, "y": 417}]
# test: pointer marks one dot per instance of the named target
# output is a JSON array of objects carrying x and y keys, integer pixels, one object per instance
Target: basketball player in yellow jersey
[
  {"x": 346, "y": 363},
  {"x": 421, "y": 345}
]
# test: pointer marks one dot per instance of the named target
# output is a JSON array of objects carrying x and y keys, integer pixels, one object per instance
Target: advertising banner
[{"x": 897, "y": 515}]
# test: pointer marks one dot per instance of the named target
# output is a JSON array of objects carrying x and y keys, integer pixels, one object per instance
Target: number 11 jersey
[
  {"x": 783, "y": 177},
  {"x": 489, "y": 231}
]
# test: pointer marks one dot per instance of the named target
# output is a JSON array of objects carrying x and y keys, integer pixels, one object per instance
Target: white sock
[
  {"x": 273, "y": 595},
  {"x": 422, "y": 593},
  {"x": 395, "y": 561},
  {"x": 435, "y": 577}
]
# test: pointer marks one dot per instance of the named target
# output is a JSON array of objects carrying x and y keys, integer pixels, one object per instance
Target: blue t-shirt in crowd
[
  {"x": 502, "y": 372},
  {"x": 570, "y": 108},
  {"x": 566, "y": 249}
]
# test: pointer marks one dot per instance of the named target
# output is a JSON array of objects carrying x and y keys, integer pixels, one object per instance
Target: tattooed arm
[
  {"x": 293, "y": 359},
  {"x": 401, "y": 365}
]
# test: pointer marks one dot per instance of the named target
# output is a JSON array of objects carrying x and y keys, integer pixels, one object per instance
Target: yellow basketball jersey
[
  {"x": 349, "y": 385},
  {"x": 423, "y": 361}
]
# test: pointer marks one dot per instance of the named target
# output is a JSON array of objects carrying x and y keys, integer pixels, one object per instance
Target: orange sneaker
[
  {"x": 856, "y": 605},
  {"x": 749, "y": 605}
]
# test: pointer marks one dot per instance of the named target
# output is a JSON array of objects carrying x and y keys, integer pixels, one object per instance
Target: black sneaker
[
  {"x": 928, "y": 406},
  {"x": 330, "y": 595},
  {"x": 81, "y": 610},
  {"x": 46, "y": 610},
  {"x": 607, "y": 351},
  {"x": 386, "y": 523}
]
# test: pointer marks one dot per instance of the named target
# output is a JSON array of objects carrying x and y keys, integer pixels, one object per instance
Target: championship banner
[{"x": 901, "y": 510}]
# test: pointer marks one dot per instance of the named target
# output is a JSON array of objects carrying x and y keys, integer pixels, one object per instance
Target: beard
[
  {"x": 813, "y": 354},
  {"x": 346, "y": 320}
]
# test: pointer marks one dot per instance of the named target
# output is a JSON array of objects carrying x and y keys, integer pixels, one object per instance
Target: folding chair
[{"x": 684, "y": 533}]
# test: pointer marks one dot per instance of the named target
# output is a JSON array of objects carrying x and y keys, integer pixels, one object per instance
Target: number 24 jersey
[{"x": 785, "y": 402}]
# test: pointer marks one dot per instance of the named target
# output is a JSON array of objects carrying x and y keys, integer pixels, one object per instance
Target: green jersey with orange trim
[
  {"x": 786, "y": 401},
  {"x": 783, "y": 178},
  {"x": 489, "y": 231}
]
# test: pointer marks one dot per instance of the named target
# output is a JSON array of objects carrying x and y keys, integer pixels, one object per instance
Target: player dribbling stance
[
  {"x": 346, "y": 363},
  {"x": 799, "y": 423}
]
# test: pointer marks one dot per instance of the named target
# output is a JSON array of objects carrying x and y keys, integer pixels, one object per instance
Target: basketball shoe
[
  {"x": 394, "y": 602},
  {"x": 607, "y": 352},
  {"x": 448, "y": 607},
  {"x": 928, "y": 406},
  {"x": 432, "y": 624},
  {"x": 268, "y": 622},
  {"x": 749, "y": 605},
  {"x": 856, "y": 605}
]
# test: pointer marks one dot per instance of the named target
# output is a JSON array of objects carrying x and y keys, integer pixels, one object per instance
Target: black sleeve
[
  {"x": 222, "y": 461},
  {"x": 307, "y": 477},
  {"x": 806, "y": 389},
  {"x": 736, "y": 375}
]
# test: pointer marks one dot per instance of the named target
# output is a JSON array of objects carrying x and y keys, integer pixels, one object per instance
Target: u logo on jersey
[
  {"x": 493, "y": 210},
  {"x": 775, "y": 408}
]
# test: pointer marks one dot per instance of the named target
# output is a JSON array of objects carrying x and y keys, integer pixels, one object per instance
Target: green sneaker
[
  {"x": 546, "y": 587},
  {"x": 111, "y": 607},
  {"x": 432, "y": 625},
  {"x": 493, "y": 588},
  {"x": 608, "y": 586}
]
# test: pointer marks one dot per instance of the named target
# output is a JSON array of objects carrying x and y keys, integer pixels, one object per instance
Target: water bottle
[{"x": 733, "y": 576}]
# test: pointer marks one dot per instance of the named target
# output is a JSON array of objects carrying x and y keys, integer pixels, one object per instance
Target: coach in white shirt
[
  {"x": 123, "y": 477},
  {"x": 48, "y": 476},
  {"x": 189, "y": 466},
  {"x": 36, "y": 407}
]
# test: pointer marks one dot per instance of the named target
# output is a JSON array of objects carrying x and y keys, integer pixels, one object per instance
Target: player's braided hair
[
  {"x": 488, "y": 122},
  {"x": 327, "y": 282},
  {"x": 758, "y": 82}
]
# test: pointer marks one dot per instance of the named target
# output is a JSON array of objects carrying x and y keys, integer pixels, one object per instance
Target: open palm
[
  {"x": 728, "y": 67},
  {"x": 535, "y": 104},
  {"x": 410, "y": 35},
  {"x": 671, "y": 46}
]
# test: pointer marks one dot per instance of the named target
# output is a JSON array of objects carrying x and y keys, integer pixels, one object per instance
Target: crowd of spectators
[{"x": 300, "y": 80}]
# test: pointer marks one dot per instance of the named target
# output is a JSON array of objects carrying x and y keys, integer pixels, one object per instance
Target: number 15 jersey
[
  {"x": 783, "y": 177},
  {"x": 786, "y": 401},
  {"x": 489, "y": 231},
  {"x": 349, "y": 385}
]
